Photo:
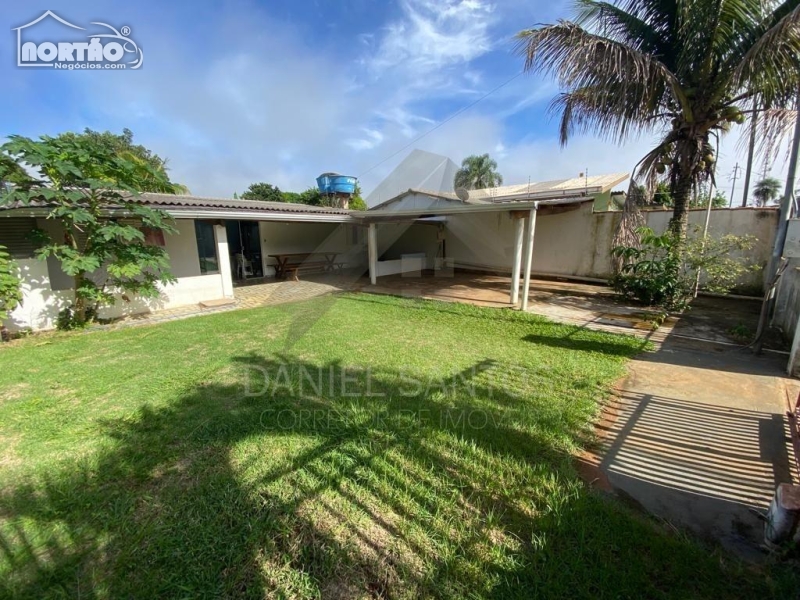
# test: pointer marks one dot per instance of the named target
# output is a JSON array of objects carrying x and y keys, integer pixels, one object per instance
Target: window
[
  {"x": 206, "y": 247},
  {"x": 16, "y": 236},
  {"x": 154, "y": 237}
]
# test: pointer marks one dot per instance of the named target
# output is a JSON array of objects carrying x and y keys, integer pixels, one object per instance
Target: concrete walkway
[{"x": 697, "y": 434}]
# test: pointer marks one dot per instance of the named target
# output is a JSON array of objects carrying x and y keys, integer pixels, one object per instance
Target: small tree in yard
[
  {"x": 10, "y": 293},
  {"x": 92, "y": 191},
  {"x": 658, "y": 273}
]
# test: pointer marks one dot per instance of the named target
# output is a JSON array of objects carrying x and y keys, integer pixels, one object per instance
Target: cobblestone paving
[
  {"x": 278, "y": 292},
  {"x": 250, "y": 296}
]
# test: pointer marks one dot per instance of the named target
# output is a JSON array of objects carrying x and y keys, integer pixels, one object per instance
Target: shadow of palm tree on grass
[{"x": 453, "y": 488}]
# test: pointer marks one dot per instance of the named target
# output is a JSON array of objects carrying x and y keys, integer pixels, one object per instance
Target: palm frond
[
  {"x": 767, "y": 60},
  {"x": 593, "y": 108},
  {"x": 774, "y": 128},
  {"x": 613, "y": 22},
  {"x": 583, "y": 61}
]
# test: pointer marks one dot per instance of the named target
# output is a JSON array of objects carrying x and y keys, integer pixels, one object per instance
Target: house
[
  {"x": 220, "y": 242},
  {"x": 216, "y": 239}
]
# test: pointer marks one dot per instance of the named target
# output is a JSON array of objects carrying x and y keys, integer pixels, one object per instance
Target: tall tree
[
  {"x": 684, "y": 68},
  {"x": 477, "y": 172},
  {"x": 766, "y": 190},
  {"x": 122, "y": 144},
  {"x": 91, "y": 189},
  {"x": 265, "y": 192}
]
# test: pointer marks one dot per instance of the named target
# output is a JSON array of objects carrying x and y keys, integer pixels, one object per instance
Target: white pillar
[
  {"x": 224, "y": 260},
  {"x": 372, "y": 248},
  {"x": 529, "y": 232},
  {"x": 519, "y": 226}
]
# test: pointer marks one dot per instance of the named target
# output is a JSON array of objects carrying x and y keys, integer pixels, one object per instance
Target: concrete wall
[
  {"x": 579, "y": 242},
  {"x": 787, "y": 311},
  {"x": 571, "y": 243},
  {"x": 787, "y": 301},
  {"x": 285, "y": 238},
  {"x": 47, "y": 290}
]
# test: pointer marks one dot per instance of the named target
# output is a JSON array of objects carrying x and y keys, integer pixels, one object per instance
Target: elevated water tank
[{"x": 333, "y": 183}]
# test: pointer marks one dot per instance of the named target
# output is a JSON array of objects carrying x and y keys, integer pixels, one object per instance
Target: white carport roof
[
  {"x": 549, "y": 189},
  {"x": 383, "y": 215}
]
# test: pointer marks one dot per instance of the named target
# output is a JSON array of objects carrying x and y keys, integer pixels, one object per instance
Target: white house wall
[
  {"x": 288, "y": 238},
  {"x": 41, "y": 303}
]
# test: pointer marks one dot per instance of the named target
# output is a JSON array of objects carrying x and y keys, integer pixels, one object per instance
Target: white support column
[
  {"x": 519, "y": 227},
  {"x": 529, "y": 233},
  {"x": 224, "y": 259},
  {"x": 372, "y": 248}
]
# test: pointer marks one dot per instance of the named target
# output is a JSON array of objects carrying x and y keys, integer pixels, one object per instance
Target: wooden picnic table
[{"x": 296, "y": 261}]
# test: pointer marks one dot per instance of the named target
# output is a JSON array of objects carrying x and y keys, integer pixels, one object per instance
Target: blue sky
[{"x": 237, "y": 92}]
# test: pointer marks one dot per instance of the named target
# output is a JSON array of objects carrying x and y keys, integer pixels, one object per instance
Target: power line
[{"x": 438, "y": 125}]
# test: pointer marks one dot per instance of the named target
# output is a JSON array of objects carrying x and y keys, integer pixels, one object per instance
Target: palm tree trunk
[{"x": 681, "y": 192}]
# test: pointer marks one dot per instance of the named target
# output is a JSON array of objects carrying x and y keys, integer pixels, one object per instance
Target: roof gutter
[
  {"x": 306, "y": 217},
  {"x": 176, "y": 213}
]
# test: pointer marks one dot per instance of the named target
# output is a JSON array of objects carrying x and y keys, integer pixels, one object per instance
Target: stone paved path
[{"x": 250, "y": 296}]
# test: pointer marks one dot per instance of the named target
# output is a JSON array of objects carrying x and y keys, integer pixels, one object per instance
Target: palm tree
[
  {"x": 766, "y": 191},
  {"x": 682, "y": 68},
  {"x": 477, "y": 172}
]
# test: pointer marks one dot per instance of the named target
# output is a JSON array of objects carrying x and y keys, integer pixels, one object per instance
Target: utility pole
[
  {"x": 736, "y": 170},
  {"x": 750, "y": 152},
  {"x": 773, "y": 267}
]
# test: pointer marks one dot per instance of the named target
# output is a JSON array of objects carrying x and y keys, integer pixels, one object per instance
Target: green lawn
[{"x": 349, "y": 447}]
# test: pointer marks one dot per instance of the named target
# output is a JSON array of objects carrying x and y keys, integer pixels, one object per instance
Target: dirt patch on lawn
[
  {"x": 9, "y": 459},
  {"x": 16, "y": 391}
]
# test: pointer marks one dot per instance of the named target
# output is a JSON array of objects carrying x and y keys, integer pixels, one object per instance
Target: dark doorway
[{"x": 244, "y": 245}]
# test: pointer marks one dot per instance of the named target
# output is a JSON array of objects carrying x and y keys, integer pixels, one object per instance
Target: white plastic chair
[{"x": 244, "y": 267}]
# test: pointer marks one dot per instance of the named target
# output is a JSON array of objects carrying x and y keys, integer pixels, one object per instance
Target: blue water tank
[{"x": 333, "y": 183}]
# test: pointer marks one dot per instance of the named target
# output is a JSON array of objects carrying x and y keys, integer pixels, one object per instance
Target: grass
[{"x": 348, "y": 447}]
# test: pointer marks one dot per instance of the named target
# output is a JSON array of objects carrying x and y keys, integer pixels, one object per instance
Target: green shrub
[
  {"x": 10, "y": 293},
  {"x": 662, "y": 272},
  {"x": 653, "y": 274}
]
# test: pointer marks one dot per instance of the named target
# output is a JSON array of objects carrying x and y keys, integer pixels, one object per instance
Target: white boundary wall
[{"x": 579, "y": 242}]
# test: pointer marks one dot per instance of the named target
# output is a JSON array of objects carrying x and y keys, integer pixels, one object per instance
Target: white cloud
[
  {"x": 372, "y": 138},
  {"x": 433, "y": 35},
  {"x": 275, "y": 108}
]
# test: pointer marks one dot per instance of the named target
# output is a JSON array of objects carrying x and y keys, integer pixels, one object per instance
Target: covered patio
[
  {"x": 582, "y": 304},
  {"x": 420, "y": 252}
]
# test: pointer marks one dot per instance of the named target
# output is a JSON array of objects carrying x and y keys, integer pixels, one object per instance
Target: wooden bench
[
  {"x": 319, "y": 262},
  {"x": 306, "y": 267}
]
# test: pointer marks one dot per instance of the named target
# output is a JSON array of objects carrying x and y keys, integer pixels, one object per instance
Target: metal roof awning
[
  {"x": 196, "y": 207},
  {"x": 387, "y": 216}
]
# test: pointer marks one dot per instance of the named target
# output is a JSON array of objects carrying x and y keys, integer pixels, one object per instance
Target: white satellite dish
[{"x": 463, "y": 194}]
